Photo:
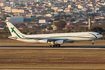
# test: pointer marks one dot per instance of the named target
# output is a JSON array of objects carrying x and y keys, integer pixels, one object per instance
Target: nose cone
[{"x": 100, "y": 36}]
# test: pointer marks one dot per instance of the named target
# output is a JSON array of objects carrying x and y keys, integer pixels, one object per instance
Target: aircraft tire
[
  {"x": 58, "y": 45},
  {"x": 50, "y": 45},
  {"x": 92, "y": 43},
  {"x": 53, "y": 45}
]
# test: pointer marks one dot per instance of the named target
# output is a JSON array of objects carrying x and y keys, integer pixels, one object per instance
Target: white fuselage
[{"x": 77, "y": 36}]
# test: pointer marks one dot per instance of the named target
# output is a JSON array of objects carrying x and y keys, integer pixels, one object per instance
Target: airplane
[{"x": 54, "y": 39}]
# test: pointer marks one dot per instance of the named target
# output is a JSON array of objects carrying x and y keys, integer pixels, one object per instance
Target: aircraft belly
[
  {"x": 34, "y": 40},
  {"x": 29, "y": 41},
  {"x": 80, "y": 39}
]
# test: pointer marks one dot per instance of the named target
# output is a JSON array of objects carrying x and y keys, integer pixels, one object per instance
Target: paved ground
[
  {"x": 45, "y": 69},
  {"x": 86, "y": 58},
  {"x": 36, "y": 69},
  {"x": 46, "y": 47},
  {"x": 49, "y": 69}
]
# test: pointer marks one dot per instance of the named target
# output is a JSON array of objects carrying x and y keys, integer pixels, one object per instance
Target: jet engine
[
  {"x": 43, "y": 41},
  {"x": 69, "y": 41},
  {"x": 59, "y": 41}
]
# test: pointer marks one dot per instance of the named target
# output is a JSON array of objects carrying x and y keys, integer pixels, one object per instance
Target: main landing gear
[{"x": 55, "y": 45}]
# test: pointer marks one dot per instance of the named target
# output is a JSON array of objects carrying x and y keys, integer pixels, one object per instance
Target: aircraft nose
[{"x": 101, "y": 36}]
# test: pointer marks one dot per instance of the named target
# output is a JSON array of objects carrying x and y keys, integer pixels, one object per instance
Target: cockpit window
[{"x": 98, "y": 34}]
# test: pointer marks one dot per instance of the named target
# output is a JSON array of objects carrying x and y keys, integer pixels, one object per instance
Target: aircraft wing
[{"x": 53, "y": 39}]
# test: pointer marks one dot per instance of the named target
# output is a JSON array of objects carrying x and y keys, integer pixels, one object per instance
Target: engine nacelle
[
  {"x": 43, "y": 41},
  {"x": 69, "y": 41},
  {"x": 59, "y": 41}
]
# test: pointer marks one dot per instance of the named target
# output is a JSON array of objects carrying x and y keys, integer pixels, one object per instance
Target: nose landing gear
[{"x": 92, "y": 42}]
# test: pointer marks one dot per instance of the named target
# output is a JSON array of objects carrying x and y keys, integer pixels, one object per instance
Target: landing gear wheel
[
  {"x": 53, "y": 45},
  {"x": 50, "y": 45},
  {"x": 58, "y": 45},
  {"x": 92, "y": 42}
]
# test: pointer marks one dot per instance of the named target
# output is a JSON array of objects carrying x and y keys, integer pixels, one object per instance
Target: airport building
[{"x": 14, "y": 19}]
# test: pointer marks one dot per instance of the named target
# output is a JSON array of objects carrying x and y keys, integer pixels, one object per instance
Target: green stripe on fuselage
[
  {"x": 69, "y": 36},
  {"x": 93, "y": 35}
]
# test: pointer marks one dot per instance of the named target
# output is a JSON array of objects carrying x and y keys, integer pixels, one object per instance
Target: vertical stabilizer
[{"x": 14, "y": 31}]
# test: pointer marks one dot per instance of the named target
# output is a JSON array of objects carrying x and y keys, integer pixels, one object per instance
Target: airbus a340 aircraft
[{"x": 54, "y": 39}]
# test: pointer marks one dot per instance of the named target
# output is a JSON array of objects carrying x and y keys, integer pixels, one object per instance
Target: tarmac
[
  {"x": 46, "y": 47},
  {"x": 46, "y": 69}
]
